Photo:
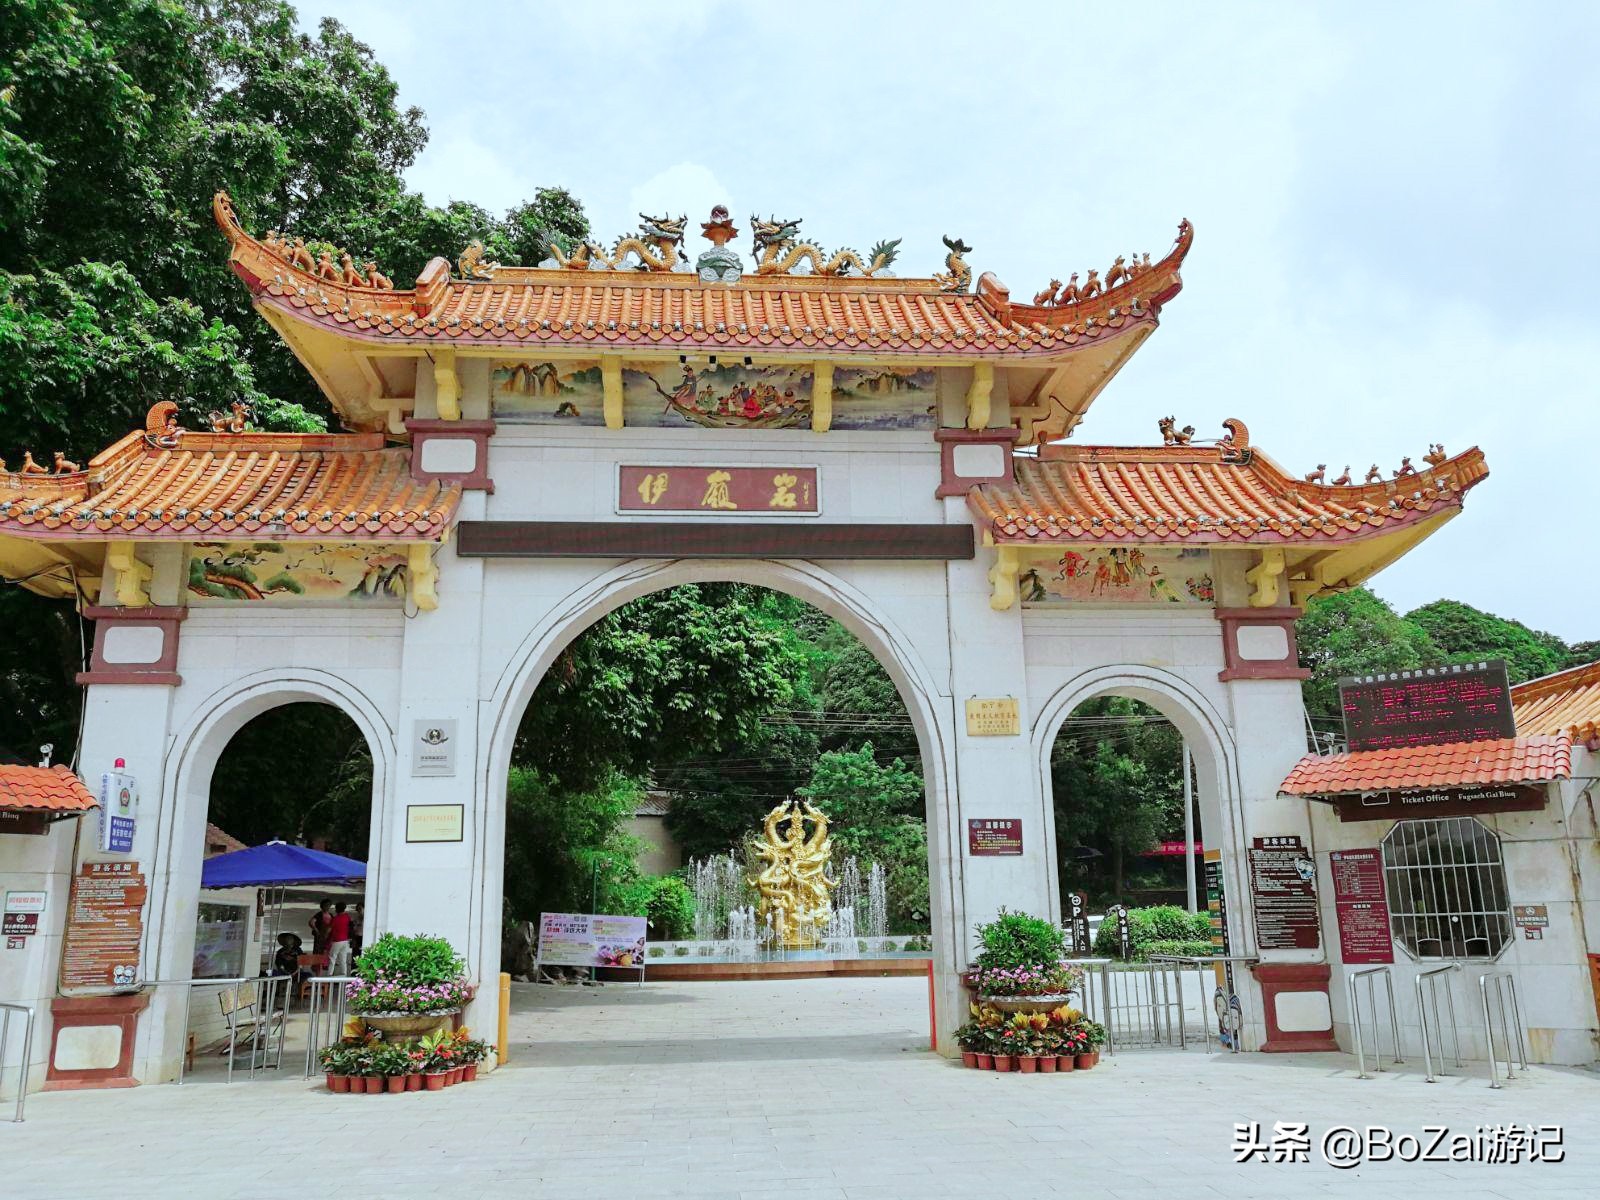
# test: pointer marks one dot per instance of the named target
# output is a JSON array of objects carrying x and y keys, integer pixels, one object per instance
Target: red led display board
[{"x": 1467, "y": 702}]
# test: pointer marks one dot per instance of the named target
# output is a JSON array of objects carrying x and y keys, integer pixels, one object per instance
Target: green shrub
[
  {"x": 1167, "y": 924},
  {"x": 1186, "y": 948},
  {"x": 680, "y": 952},
  {"x": 1019, "y": 940},
  {"x": 417, "y": 960},
  {"x": 657, "y": 952},
  {"x": 670, "y": 908}
]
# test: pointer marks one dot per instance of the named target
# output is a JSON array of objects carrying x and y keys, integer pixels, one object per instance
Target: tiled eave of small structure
[
  {"x": 1566, "y": 702},
  {"x": 1207, "y": 494},
  {"x": 1531, "y": 759},
  {"x": 612, "y": 311},
  {"x": 267, "y": 486},
  {"x": 43, "y": 789}
]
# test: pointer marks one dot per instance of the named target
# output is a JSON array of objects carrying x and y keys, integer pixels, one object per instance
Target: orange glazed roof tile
[
  {"x": 251, "y": 485},
  {"x": 1199, "y": 494},
  {"x": 1566, "y": 702},
  {"x": 1535, "y": 759},
  {"x": 530, "y": 306},
  {"x": 43, "y": 789}
]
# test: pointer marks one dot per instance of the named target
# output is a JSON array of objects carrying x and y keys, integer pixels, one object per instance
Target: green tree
[
  {"x": 1466, "y": 634},
  {"x": 1117, "y": 781},
  {"x": 672, "y": 676},
  {"x": 1355, "y": 633},
  {"x": 568, "y": 850}
]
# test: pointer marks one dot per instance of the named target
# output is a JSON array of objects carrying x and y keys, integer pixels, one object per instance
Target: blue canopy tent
[
  {"x": 278, "y": 864},
  {"x": 275, "y": 866}
]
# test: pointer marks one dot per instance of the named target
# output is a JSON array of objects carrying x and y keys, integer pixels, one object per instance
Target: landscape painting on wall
[
  {"x": 724, "y": 396},
  {"x": 229, "y": 572},
  {"x": 1123, "y": 575}
]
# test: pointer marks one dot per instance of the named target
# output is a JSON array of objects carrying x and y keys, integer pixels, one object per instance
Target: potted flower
[
  {"x": 1020, "y": 967},
  {"x": 972, "y": 1038},
  {"x": 472, "y": 1053},
  {"x": 417, "y": 1062},
  {"x": 442, "y": 1063},
  {"x": 391, "y": 1062},
  {"x": 335, "y": 1065},
  {"x": 406, "y": 987},
  {"x": 1095, "y": 1033}
]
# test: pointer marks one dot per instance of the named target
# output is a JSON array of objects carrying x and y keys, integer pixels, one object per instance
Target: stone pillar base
[
  {"x": 91, "y": 1041},
  {"x": 1295, "y": 1004}
]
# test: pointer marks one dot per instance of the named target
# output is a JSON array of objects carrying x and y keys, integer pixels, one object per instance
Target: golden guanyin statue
[{"x": 796, "y": 892}]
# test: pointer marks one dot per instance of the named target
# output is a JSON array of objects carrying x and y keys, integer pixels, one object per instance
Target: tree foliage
[
  {"x": 1466, "y": 634},
  {"x": 1356, "y": 633}
]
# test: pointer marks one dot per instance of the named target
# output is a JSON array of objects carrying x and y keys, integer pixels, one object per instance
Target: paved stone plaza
[{"x": 813, "y": 1088}]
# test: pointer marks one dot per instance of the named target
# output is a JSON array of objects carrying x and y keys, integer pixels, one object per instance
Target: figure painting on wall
[
  {"x": 1122, "y": 574},
  {"x": 714, "y": 395},
  {"x": 292, "y": 571}
]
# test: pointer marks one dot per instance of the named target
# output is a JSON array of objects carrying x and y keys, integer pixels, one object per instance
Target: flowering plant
[
  {"x": 441, "y": 1051},
  {"x": 1045, "y": 979},
  {"x": 385, "y": 995}
]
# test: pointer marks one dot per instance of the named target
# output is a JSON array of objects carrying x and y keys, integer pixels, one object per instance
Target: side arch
[
  {"x": 190, "y": 760},
  {"x": 1211, "y": 740}
]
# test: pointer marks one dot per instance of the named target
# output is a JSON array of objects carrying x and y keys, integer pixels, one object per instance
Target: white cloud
[{"x": 1393, "y": 243}]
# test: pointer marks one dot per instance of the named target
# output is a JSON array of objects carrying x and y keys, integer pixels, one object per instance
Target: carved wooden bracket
[
  {"x": 424, "y": 573},
  {"x": 132, "y": 576},
  {"x": 978, "y": 395},
  {"x": 447, "y": 384}
]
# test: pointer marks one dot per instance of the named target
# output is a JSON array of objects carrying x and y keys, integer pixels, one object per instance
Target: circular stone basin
[
  {"x": 1014, "y": 1004},
  {"x": 408, "y": 1025}
]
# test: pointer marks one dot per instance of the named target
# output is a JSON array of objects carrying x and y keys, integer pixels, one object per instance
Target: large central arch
[{"x": 927, "y": 700}]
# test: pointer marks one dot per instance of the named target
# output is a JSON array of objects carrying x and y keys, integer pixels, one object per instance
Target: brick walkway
[{"x": 814, "y": 1088}]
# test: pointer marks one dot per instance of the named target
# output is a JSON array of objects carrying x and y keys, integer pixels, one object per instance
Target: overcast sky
[{"x": 1395, "y": 205}]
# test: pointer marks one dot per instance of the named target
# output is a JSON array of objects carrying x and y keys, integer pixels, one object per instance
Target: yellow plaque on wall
[
  {"x": 435, "y": 822},
  {"x": 1000, "y": 716}
]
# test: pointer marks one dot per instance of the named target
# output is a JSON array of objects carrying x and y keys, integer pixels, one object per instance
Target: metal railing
[
  {"x": 1372, "y": 1005},
  {"x": 1433, "y": 1031},
  {"x": 324, "y": 1015},
  {"x": 1502, "y": 982},
  {"x": 1097, "y": 1007},
  {"x": 27, "y": 1050},
  {"x": 1233, "y": 1016},
  {"x": 265, "y": 1012}
]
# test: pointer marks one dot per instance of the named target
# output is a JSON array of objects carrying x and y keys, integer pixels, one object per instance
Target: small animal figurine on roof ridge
[{"x": 957, "y": 275}]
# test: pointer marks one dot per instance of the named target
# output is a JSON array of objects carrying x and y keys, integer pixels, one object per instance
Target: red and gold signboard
[
  {"x": 994, "y": 836},
  {"x": 1361, "y": 905},
  {"x": 104, "y": 926},
  {"x": 718, "y": 490},
  {"x": 1283, "y": 885}
]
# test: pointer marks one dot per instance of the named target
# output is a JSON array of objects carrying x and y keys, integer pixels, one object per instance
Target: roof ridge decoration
[{"x": 779, "y": 250}]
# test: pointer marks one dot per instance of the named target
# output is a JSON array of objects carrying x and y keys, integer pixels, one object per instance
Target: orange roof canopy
[
  {"x": 43, "y": 789},
  {"x": 1536, "y": 759}
]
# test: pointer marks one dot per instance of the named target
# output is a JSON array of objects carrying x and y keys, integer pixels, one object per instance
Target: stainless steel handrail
[
  {"x": 1502, "y": 980},
  {"x": 27, "y": 1050},
  {"x": 1372, "y": 1004},
  {"x": 266, "y": 1004},
  {"x": 319, "y": 1015},
  {"x": 1432, "y": 977},
  {"x": 1100, "y": 1013},
  {"x": 1200, "y": 962}
]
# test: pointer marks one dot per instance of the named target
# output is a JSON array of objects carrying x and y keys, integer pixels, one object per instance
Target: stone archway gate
[{"x": 530, "y": 447}]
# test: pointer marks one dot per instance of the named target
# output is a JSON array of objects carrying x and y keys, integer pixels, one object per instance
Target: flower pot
[
  {"x": 394, "y": 1083},
  {"x": 373, "y": 1084},
  {"x": 435, "y": 1080},
  {"x": 969, "y": 1058},
  {"x": 1064, "y": 1062},
  {"x": 1027, "y": 1064},
  {"x": 453, "y": 1077},
  {"x": 1002, "y": 1062},
  {"x": 985, "y": 1062},
  {"x": 338, "y": 1083},
  {"x": 407, "y": 1027},
  {"x": 414, "y": 1081},
  {"x": 1084, "y": 1061},
  {"x": 469, "y": 1072},
  {"x": 1047, "y": 1064},
  {"x": 1095, "y": 1056}
]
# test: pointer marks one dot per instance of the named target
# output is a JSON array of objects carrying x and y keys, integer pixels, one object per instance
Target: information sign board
[
  {"x": 591, "y": 940},
  {"x": 1361, "y": 905},
  {"x": 1465, "y": 702},
  {"x": 1283, "y": 886},
  {"x": 104, "y": 926},
  {"x": 994, "y": 836}
]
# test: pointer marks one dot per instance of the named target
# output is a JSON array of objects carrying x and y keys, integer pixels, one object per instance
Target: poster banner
[{"x": 591, "y": 940}]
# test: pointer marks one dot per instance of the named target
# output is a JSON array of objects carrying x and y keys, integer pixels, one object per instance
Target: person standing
[
  {"x": 358, "y": 929},
  {"x": 320, "y": 921},
  {"x": 339, "y": 941}
]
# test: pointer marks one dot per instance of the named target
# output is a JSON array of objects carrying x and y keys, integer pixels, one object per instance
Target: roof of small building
[
  {"x": 43, "y": 789},
  {"x": 1534, "y": 759},
  {"x": 1566, "y": 702},
  {"x": 180, "y": 485},
  {"x": 617, "y": 309},
  {"x": 653, "y": 804},
  {"x": 220, "y": 841},
  {"x": 1227, "y": 493}
]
